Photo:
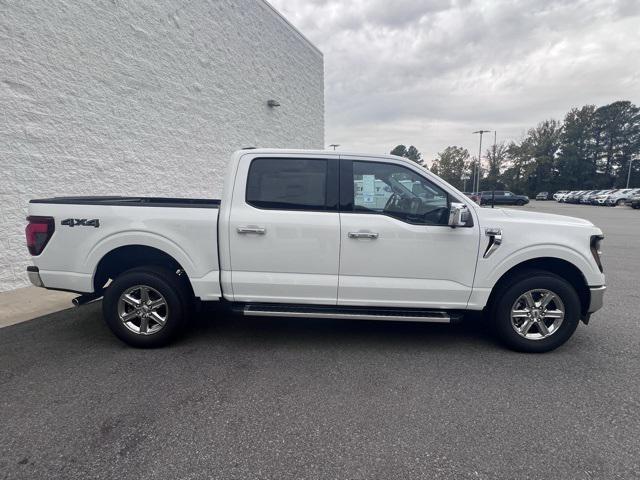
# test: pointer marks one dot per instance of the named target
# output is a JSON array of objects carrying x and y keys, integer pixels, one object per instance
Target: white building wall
[{"x": 128, "y": 97}]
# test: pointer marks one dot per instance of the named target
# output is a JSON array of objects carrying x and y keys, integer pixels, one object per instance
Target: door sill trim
[{"x": 346, "y": 313}]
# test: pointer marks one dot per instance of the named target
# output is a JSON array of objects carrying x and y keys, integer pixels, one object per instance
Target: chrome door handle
[
  {"x": 252, "y": 229},
  {"x": 371, "y": 235}
]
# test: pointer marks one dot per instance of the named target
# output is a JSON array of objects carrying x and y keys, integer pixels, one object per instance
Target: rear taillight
[{"x": 38, "y": 232}]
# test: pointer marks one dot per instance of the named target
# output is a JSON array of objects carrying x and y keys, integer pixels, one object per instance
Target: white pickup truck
[{"x": 324, "y": 235}]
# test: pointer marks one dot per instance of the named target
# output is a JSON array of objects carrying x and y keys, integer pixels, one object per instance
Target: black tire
[
  {"x": 175, "y": 292},
  {"x": 510, "y": 293},
  {"x": 520, "y": 203},
  {"x": 620, "y": 202}
]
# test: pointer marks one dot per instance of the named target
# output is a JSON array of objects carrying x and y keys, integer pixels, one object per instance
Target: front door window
[{"x": 399, "y": 192}]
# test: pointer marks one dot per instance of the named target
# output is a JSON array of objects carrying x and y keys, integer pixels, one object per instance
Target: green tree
[
  {"x": 399, "y": 150},
  {"x": 617, "y": 134},
  {"x": 577, "y": 160},
  {"x": 434, "y": 167},
  {"x": 412, "y": 153},
  {"x": 533, "y": 160},
  {"x": 497, "y": 158},
  {"x": 450, "y": 165}
]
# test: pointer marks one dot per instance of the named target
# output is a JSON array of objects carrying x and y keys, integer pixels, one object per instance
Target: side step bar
[{"x": 347, "y": 313}]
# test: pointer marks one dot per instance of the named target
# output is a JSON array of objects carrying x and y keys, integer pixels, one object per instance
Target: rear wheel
[
  {"x": 147, "y": 306},
  {"x": 537, "y": 312}
]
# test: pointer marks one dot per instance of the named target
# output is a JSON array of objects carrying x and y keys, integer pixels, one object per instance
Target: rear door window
[{"x": 288, "y": 184}]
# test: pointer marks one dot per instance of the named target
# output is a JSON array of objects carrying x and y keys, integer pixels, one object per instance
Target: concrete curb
[{"x": 28, "y": 303}]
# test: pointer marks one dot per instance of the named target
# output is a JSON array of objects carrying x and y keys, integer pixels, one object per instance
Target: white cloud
[{"x": 428, "y": 73}]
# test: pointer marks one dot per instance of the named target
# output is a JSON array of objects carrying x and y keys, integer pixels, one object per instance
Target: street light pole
[
  {"x": 495, "y": 144},
  {"x": 629, "y": 174},
  {"x": 479, "y": 158},
  {"x": 473, "y": 176}
]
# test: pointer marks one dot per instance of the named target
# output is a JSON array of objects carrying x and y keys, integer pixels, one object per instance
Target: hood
[{"x": 511, "y": 215}]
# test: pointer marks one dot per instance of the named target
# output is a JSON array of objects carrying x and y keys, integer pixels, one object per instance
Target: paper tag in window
[{"x": 368, "y": 188}]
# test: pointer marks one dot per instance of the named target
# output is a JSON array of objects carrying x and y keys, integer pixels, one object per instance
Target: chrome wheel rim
[
  {"x": 143, "y": 310},
  {"x": 537, "y": 314}
]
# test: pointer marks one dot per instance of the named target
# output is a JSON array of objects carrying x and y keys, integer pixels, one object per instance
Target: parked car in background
[
  {"x": 601, "y": 199},
  {"x": 579, "y": 197},
  {"x": 502, "y": 197},
  {"x": 588, "y": 199},
  {"x": 634, "y": 202},
  {"x": 636, "y": 191},
  {"x": 574, "y": 196},
  {"x": 585, "y": 199},
  {"x": 559, "y": 193},
  {"x": 620, "y": 197},
  {"x": 475, "y": 196},
  {"x": 563, "y": 197},
  {"x": 542, "y": 196}
]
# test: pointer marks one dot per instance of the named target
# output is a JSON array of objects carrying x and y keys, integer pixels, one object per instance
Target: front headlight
[{"x": 596, "y": 250}]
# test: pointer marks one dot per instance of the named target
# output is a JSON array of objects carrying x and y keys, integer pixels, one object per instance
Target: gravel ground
[{"x": 275, "y": 398}]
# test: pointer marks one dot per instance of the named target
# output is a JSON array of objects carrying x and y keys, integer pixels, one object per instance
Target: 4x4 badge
[{"x": 80, "y": 222}]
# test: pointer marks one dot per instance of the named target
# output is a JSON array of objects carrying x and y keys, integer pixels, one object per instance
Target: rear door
[
  {"x": 284, "y": 230},
  {"x": 397, "y": 249}
]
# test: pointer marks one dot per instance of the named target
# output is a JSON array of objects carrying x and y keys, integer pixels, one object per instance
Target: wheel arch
[
  {"x": 558, "y": 266},
  {"x": 126, "y": 257}
]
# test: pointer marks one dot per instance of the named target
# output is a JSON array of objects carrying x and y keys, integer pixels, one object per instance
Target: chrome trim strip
[
  {"x": 346, "y": 316},
  {"x": 597, "y": 298},
  {"x": 495, "y": 240}
]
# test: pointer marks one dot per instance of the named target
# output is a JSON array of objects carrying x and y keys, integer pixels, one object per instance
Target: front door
[
  {"x": 284, "y": 230},
  {"x": 396, "y": 247}
]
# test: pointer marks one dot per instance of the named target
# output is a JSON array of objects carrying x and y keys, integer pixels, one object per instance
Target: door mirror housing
[{"x": 459, "y": 215}]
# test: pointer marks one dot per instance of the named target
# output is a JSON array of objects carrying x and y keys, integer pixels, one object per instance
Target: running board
[{"x": 347, "y": 313}]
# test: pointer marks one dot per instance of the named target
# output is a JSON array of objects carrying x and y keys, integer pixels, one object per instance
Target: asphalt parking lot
[{"x": 275, "y": 398}]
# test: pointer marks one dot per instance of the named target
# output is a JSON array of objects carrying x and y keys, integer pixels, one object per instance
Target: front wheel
[
  {"x": 147, "y": 307},
  {"x": 520, "y": 203},
  {"x": 536, "y": 313}
]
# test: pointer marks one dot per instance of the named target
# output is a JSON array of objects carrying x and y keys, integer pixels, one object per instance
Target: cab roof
[{"x": 336, "y": 153}]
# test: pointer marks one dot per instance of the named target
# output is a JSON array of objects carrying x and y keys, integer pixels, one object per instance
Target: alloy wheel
[
  {"x": 537, "y": 314},
  {"x": 143, "y": 310}
]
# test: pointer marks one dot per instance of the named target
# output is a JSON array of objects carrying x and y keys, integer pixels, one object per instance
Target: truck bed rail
[{"x": 133, "y": 201}]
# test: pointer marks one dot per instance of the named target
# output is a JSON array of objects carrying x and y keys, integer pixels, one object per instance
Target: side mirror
[{"x": 458, "y": 215}]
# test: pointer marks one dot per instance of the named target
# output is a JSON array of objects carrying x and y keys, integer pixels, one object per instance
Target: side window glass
[
  {"x": 398, "y": 192},
  {"x": 287, "y": 184}
]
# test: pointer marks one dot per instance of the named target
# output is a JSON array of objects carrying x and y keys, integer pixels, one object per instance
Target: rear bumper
[
  {"x": 34, "y": 276},
  {"x": 65, "y": 281},
  {"x": 597, "y": 298}
]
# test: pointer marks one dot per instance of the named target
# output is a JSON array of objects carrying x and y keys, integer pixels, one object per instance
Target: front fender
[{"x": 489, "y": 272}]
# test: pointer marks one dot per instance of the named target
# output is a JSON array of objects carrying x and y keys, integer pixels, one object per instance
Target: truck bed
[
  {"x": 133, "y": 201},
  {"x": 89, "y": 228}
]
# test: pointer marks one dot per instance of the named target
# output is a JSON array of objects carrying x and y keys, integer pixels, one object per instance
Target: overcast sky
[{"x": 429, "y": 72}]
